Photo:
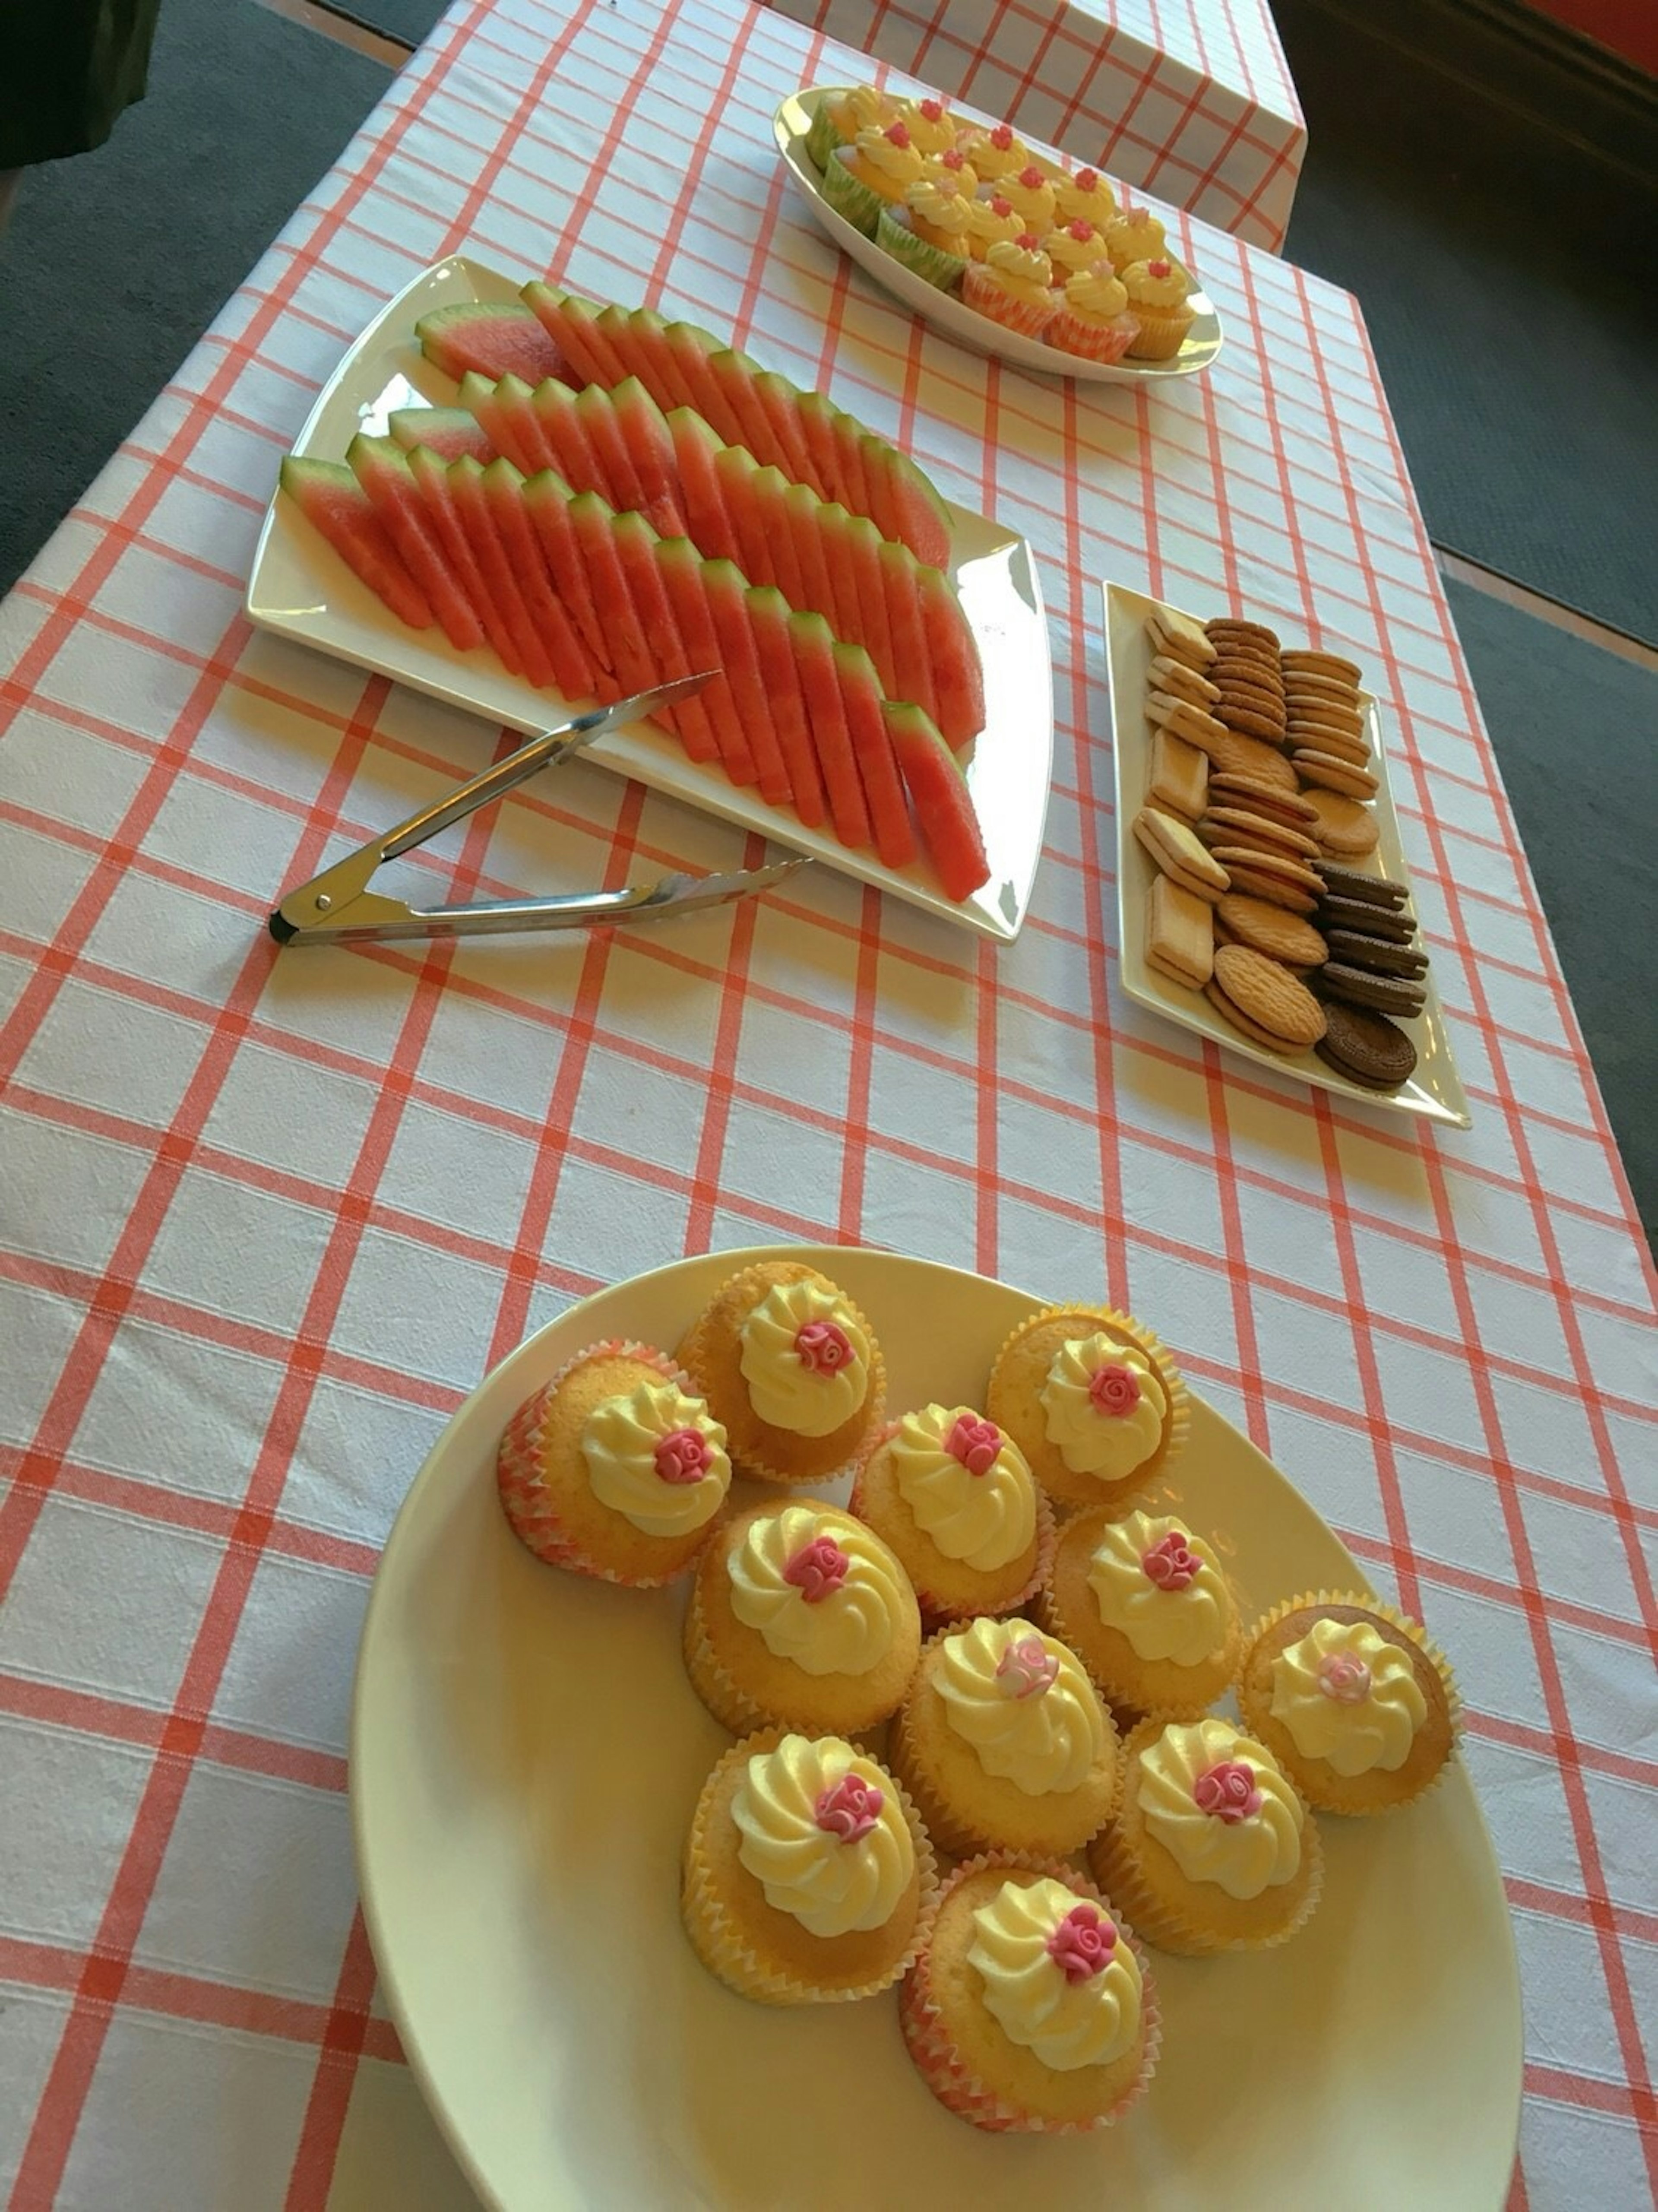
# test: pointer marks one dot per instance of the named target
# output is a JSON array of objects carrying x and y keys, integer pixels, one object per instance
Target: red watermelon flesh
[
  {"x": 499, "y": 340},
  {"x": 768, "y": 619},
  {"x": 574, "y": 455},
  {"x": 735, "y": 373},
  {"x": 504, "y": 409},
  {"x": 953, "y": 656},
  {"x": 912, "y": 510},
  {"x": 814, "y": 659},
  {"x": 856, "y": 494},
  {"x": 846, "y": 618},
  {"x": 467, "y": 488},
  {"x": 649, "y": 443},
  {"x": 614, "y": 325},
  {"x": 943, "y": 810},
  {"x": 432, "y": 480},
  {"x": 734, "y": 470},
  {"x": 635, "y": 545},
  {"x": 912, "y": 668},
  {"x": 656, "y": 367},
  {"x": 695, "y": 447},
  {"x": 768, "y": 488},
  {"x": 680, "y": 567},
  {"x": 727, "y": 604},
  {"x": 691, "y": 349},
  {"x": 790, "y": 454},
  {"x": 595, "y": 531},
  {"x": 816, "y": 418},
  {"x": 547, "y": 502},
  {"x": 336, "y": 505},
  {"x": 448, "y": 432},
  {"x": 871, "y": 745},
  {"x": 864, "y": 540},
  {"x": 386, "y": 476},
  {"x": 802, "y": 507},
  {"x": 573, "y": 671},
  {"x": 598, "y": 419},
  {"x": 573, "y": 325}
]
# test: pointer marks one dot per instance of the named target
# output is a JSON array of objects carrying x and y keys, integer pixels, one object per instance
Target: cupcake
[
  {"x": 1010, "y": 285},
  {"x": 930, "y": 123},
  {"x": 839, "y": 118},
  {"x": 1085, "y": 196},
  {"x": 1157, "y": 299},
  {"x": 1351, "y": 1700},
  {"x": 994, "y": 153},
  {"x": 873, "y": 172},
  {"x": 1031, "y": 197},
  {"x": 952, "y": 171},
  {"x": 1090, "y": 1398},
  {"x": 954, "y": 1499},
  {"x": 1211, "y": 1848},
  {"x": 928, "y": 233},
  {"x": 1134, "y": 235},
  {"x": 792, "y": 1370},
  {"x": 801, "y": 1617},
  {"x": 615, "y": 1468},
  {"x": 808, "y": 1875},
  {"x": 1094, "y": 321},
  {"x": 1003, "y": 1742},
  {"x": 1031, "y": 2007},
  {"x": 990, "y": 221},
  {"x": 1146, "y": 1608},
  {"x": 1073, "y": 246}
]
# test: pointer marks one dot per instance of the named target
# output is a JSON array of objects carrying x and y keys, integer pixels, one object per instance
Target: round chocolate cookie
[
  {"x": 1376, "y": 955},
  {"x": 1383, "y": 995},
  {"x": 1360, "y": 883},
  {"x": 1366, "y": 1047},
  {"x": 1369, "y": 920}
]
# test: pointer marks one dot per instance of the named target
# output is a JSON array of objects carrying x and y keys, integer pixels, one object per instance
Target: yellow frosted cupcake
[
  {"x": 1031, "y": 196},
  {"x": 861, "y": 109},
  {"x": 1011, "y": 285},
  {"x": 1158, "y": 301},
  {"x": 1003, "y": 1742},
  {"x": 1091, "y": 1399},
  {"x": 1134, "y": 235},
  {"x": 952, "y": 172},
  {"x": 1356, "y": 1705},
  {"x": 801, "y": 1617},
  {"x": 888, "y": 160},
  {"x": 808, "y": 1875},
  {"x": 989, "y": 222},
  {"x": 1031, "y": 2008},
  {"x": 1085, "y": 196},
  {"x": 1146, "y": 1607},
  {"x": 1093, "y": 320},
  {"x": 930, "y": 125},
  {"x": 928, "y": 233},
  {"x": 792, "y": 1368},
  {"x": 615, "y": 1468},
  {"x": 954, "y": 1499},
  {"x": 995, "y": 153},
  {"x": 1210, "y": 1848},
  {"x": 1072, "y": 247}
]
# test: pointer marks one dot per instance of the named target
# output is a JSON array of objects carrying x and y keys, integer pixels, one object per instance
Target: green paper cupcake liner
[
  {"x": 932, "y": 262},
  {"x": 851, "y": 197}
]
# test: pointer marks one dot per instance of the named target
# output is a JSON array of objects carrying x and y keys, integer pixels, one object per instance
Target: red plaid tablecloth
[
  {"x": 1190, "y": 99},
  {"x": 265, "y": 1219}
]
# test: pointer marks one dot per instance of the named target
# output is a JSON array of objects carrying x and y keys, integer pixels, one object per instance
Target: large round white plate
[
  {"x": 525, "y": 1756},
  {"x": 966, "y": 324}
]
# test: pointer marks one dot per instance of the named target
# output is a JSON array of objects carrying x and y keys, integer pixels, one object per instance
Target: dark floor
[{"x": 1495, "y": 209}]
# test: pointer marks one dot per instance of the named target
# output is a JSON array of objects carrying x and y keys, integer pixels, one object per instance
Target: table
[
  {"x": 265, "y": 1219},
  {"x": 1190, "y": 99}
]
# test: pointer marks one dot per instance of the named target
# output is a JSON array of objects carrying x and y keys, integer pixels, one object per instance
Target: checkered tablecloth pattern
[
  {"x": 265, "y": 1218},
  {"x": 1190, "y": 99}
]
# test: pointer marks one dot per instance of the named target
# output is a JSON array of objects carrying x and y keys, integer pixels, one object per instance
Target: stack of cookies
[{"x": 1258, "y": 803}]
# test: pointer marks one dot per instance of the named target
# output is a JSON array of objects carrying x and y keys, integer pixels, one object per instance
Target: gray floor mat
[{"x": 409, "y": 21}]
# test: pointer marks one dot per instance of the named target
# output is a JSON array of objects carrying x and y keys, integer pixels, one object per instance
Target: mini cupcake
[
  {"x": 1011, "y": 285},
  {"x": 1003, "y": 1742},
  {"x": 1146, "y": 1607},
  {"x": 953, "y": 171},
  {"x": 1355, "y": 1704},
  {"x": 1095, "y": 322},
  {"x": 615, "y": 1468},
  {"x": 928, "y": 233},
  {"x": 1072, "y": 247},
  {"x": 930, "y": 125},
  {"x": 1157, "y": 299},
  {"x": 1031, "y": 196},
  {"x": 873, "y": 172},
  {"x": 792, "y": 1368},
  {"x": 801, "y": 1617},
  {"x": 1090, "y": 1398},
  {"x": 861, "y": 108},
  {"x": 1134, "y": 235},
  {"x": 994, "y": 153},
  {"x": 989, "y": 222},
  {"x": 1211, "y": 1848},
  {"x": 1031, "y": 2007},
  {"x": 1085, "y": 196},
  {"x": 808, "y": 1875},
  {"x": 954, "y": 1499}
]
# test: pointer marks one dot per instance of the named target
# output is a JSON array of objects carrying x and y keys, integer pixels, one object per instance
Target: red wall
[{"x": 1630, "y": 27}]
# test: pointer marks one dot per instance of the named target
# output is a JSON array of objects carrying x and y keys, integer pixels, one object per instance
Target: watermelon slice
[
  {"x": 574, "y": 671},
  {"x": 691, "y": 349},
  {"x": 871, "y": 745},
  {"x": 490, "y": 551},
  {"x": 680, "y": 567},
  {"x": 953, "y": 657},
  {"x": 790, "y": 454},
  {"x": 648, "y": 444},
  {"x": 727, "y": 604},
  {"x": 499, "y": 340},
  {"x": 547, "y": 501},
  {"x": 734, "y": 372},
  {"x": 635, "y": 547},
  {"x": 855, "y": 493},
  {"x": 614, "y": 326},
  {"x": 565, "y": 431},
  {"x": 814, "y": 658},
  {"x": 943, "y": 810},
  {"x": 656, "y": 367},
  {"x": 448, "y": 432},
  {"x": 910, "y": 509},
  {"x": 734, "y": 470},
  {"x": 432, "y": 481},
  {"x": 695, "y": 447},
  {"x": 912, "y": 678},
  {"x": 846, "y": 618},
  {"x": 874, "y": 631},
  {"x": 598, "y": 419},
  {"x": 504, "y": 409},
  {"x": 768, "y": 489},
  {"x": 387, "y": 476},
  {"x": 595, "y": 531},
  {"x": 769, "y": 618},
  {"x": 336, "y": 505},
  {"x": 816, "y": 419},
  {"x": 572, "y": 324},
  {"x": 801, "y": 508}
]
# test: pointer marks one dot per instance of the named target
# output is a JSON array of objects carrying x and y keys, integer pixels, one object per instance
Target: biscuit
[
  {"x": 1174, "y": 846},
  {"x": 1234, "y": 626},
  {"x": 1341, "y": 709},
  {"x": 1379, "y": 955},
  {"x": 1383, "y": 995},
  {"x": 1258, "y": 667},
  {"x": 1236, "y": 755},
  {"x": 1241, "y": 1021},
  {"x": 1180, "y": 935},
  {"x": 1330, "y": 774},
  {"x": 1249, "y": 721},
  {"x": 1178, "y": 637},
  {"x": 1343, "y": 826},
  {"x": 1177, "y": 681},
  {"x": 1326, "y": 664},
  {"x": 1272, "y": 1000},
  {"x": 1180, "y": 776},
  {"x": 1257, "y": 829},
  {"x": 1360, "y": 883},
  {"x": 1270, "y": 876},
  {"x": 1259, "y": 701},
  {"x": 1335, "y": 744},
  {"x": 1366, "y": 1047},
  {"x": 1195, "y": 724},
  {"x": 1392, "y": 924},
  {"x": 1261, "y": 798},
  {"x": 1270, "y": 929}
]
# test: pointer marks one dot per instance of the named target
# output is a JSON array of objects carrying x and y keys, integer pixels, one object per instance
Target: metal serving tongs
[{"x": 338, "y": 907}]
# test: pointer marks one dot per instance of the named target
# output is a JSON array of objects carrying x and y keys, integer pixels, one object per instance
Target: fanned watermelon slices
[
  {"x": 335, "y": 504},
  {"x": 502, "y": 339}
]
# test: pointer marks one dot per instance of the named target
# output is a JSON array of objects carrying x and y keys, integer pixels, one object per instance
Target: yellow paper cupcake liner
[
  {"x": 728, "y": 1704},
  {"x": 939, "y": 2058},
  {"x": 713, "y": 1928}
]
